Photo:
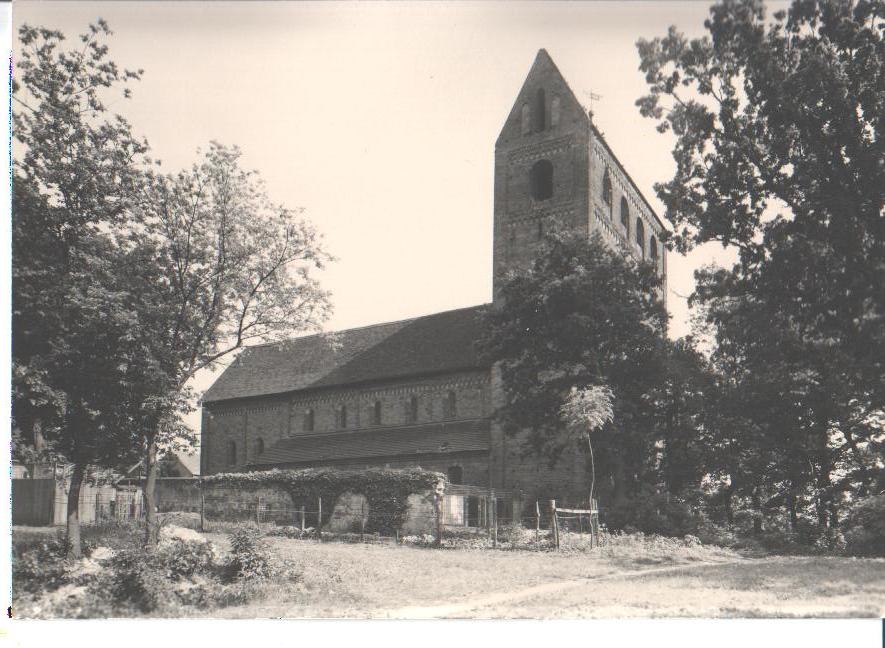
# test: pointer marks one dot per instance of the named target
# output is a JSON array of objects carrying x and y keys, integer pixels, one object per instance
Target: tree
[
  {"x": 585, "y": 411},
  {"x": 76, "y": 171},
  {"x": 584, "y": 316},
  {"x": 235, "y": 270},
  {"x": 777, "y": 126}
]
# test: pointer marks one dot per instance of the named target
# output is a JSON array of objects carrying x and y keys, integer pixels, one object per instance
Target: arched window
[
  {"x": 450, "y": 408},
  {"x": 308, "y": 420},
  {"x": 554, "y": 111},
  {"x": 342, "y": 416},
  {"x": 376, "y": 413},
  {"x": 526, "y": 119},
  {"x": 412, "y": 409},
  {"x": 607, "y": 191},
  {"x": 541, "y": 180},
  {"x": 455, "y": 475},
  {"x": 259, "y": 446},
  {"x": 640, "y": 235},
  {"x": 625, "y": 216},
  {"x": 653, "y": 248},
  {"x": 539, "y": 114},
  {"x": 232, "y": 453}
]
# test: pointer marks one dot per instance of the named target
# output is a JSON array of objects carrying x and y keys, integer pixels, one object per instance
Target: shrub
[
  {"x": 654, "y": 513},
  {"x": 135, "y": 579},
  {"x": 40, "y": 567},
  {"x": 865, "y": 527},
  {"x": 183, "y": 559},
  {"x": 250, "y": 555}
]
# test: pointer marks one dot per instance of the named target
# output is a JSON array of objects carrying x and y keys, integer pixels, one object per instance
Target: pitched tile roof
[
  {"x": 433, "y": 438},
  {"x": 422, "y": 345}
]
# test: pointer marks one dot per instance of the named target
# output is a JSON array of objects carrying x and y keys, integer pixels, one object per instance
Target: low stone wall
[{"x": 275, "y": 505}]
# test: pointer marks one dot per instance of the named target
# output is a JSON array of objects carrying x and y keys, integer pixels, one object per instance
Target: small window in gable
[
  {"x": 308, "y": 420},
  {"x": 554, "y": 112},
  {"x": 539, "y": 115},
  {"x": 640, "y": 235},
  {"x": 625, "y": 216},
  {"x": 376, "y": 413},
  {"x": 541, "y": 180},
  {"x": 526, "y": 119},
  {"x": 607, "y": 190}
]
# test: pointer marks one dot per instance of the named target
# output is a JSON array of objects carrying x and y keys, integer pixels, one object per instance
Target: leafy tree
[
  {"x": 234, "y": 270},
  {"x": 777, "y": 126},
  {"x": 75, "y": 175},
  {"x": 584, "y": 316}
]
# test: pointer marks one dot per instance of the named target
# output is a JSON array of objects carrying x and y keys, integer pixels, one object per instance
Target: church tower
[{"x": 552, "y": 163}]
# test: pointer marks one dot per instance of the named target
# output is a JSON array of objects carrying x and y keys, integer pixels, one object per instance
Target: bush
[
  {"x": 183, "y": 559},
  {"x": 250, "y": 555},
  {"x": 865, "y": 527},
  {"x": 40, "y": 567},
  {"x": 135, "y": 579},
  {"x": 654, "y": 513}
]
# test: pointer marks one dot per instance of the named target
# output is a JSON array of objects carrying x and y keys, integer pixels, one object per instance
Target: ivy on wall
[{"x": 386, "y": 490}]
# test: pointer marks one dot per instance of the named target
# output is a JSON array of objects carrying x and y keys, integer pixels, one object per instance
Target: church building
[{"x": 414, "y": 392}]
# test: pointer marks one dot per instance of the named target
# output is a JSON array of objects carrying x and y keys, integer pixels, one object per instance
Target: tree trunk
[
  {"x": 73, "y": 518},
  {"x": 151, "y": 468},
  {"x": 791, "y": 507},
  {"x": 757, "y": 506},
  {"x": 37, "y": 437}
]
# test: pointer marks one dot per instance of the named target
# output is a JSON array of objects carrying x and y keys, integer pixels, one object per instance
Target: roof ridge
[{"x": 366, "y": 326}]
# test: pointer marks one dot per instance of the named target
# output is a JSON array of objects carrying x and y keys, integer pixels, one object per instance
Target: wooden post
[
  {"x": 436, "y": 514},
  {"x": 494, "y": 504},
  {"x": 320, "y": 518},
  {"x": 555, "y": 523},
  {"x": 302, "y": 518},
  {"x": 362, "y": 520},
  {"x": 537, "y": 525},
  {"x": 202, "y": 506},
  {"x": 396, "y": 536}
]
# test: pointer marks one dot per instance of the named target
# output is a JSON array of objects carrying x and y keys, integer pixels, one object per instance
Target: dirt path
[{"x": 462, "y": 610}]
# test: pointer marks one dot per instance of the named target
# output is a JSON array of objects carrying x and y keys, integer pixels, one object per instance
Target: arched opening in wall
[
  {"x": 554, "y": 111},
  {"x": 342, "y": 416},
  {"x": 308, "y": 420},
  {"x": 625, "y": 216},
  {"x": 455, "y": 475},
  {"x": 526, "y": 119},
  {"x": 539, "y": 114},
  {"x": 232, "y": 453},
  {"x": 450, "y": 407},
  {"x": 412, "y": 409},
  {"x": 376, "y": 413},
  {"x": 541, "y": 180},
  {"x": 640, "y": 235},
  {"x": 653, "y": 249},
  {"x": 259, "y": 446},
  {"x": 607, "y": 191}
]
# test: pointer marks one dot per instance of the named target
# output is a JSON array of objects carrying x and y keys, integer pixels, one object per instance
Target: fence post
[
  {"x": 258, "y": 511},
  {"x": 494, "y": 503},
  {"x": 555, "y": 523},
  {"x": 436, "y": 513},
  {"x": 537, "y": 524},
  {"x": 202, "y": 505},
  {"x": 302, "y": 518},
  {"x": 362, "y": 519},
  {"x": 320, "y": 519}
]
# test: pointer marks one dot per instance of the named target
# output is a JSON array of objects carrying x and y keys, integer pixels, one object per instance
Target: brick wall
[{"x": 270, "y": 419}]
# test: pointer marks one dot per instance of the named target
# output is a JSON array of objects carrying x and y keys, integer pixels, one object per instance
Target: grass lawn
[{"x": 388, "y": 581}]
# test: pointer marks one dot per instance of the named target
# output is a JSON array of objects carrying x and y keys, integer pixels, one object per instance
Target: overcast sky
[{"x": 380, "y": 120}]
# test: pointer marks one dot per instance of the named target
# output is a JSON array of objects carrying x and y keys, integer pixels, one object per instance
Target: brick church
[{"x": 415, "y": 392}]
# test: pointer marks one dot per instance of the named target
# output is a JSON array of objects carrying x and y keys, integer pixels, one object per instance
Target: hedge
[{"x": 387, "y": 491}]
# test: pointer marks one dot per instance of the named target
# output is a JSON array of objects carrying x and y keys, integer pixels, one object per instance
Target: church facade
[{"x": 415, "y": 392}]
